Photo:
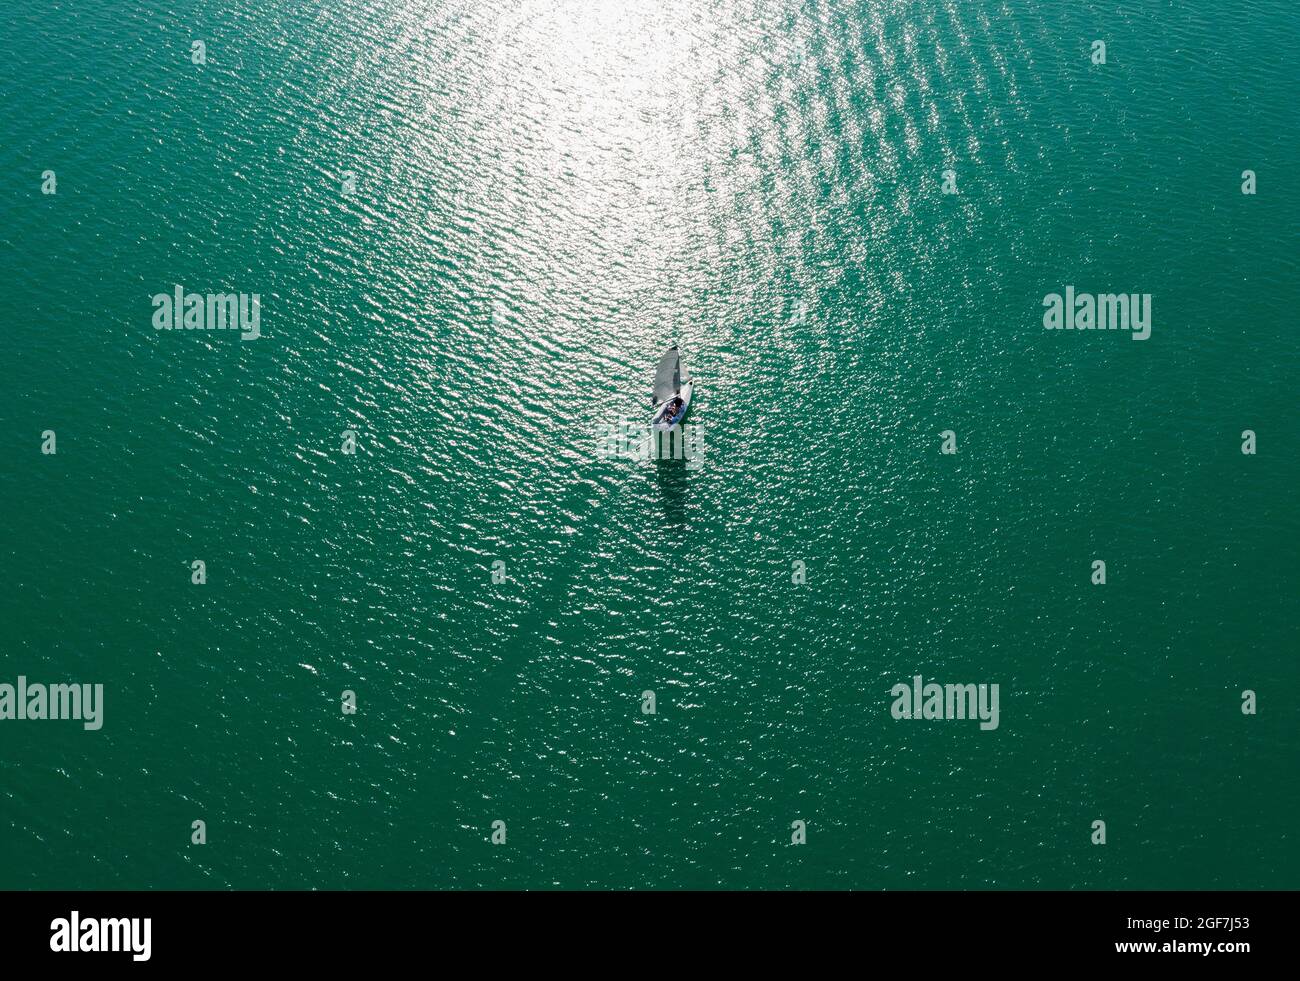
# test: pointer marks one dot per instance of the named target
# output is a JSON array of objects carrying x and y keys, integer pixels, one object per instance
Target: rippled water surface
[{"x": 547, "y": 194}]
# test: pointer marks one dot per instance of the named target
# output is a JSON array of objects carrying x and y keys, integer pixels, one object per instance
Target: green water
[{"x": 547, "y": 194}]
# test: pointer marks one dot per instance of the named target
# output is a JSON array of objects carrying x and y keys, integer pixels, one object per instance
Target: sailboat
[{"x": 672, "y": 394}]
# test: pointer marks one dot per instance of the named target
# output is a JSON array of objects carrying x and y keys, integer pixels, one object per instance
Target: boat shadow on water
[{"x": 672, "y": 478}]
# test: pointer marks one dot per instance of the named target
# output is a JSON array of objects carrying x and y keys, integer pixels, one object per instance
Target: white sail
[{"x": 668, "y": 377}]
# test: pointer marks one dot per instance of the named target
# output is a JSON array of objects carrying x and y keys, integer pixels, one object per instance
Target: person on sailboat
[{"x": 674, "y": 407}]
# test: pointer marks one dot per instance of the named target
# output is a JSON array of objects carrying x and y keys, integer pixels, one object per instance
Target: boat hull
[{"x": 661, "y": 425}]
